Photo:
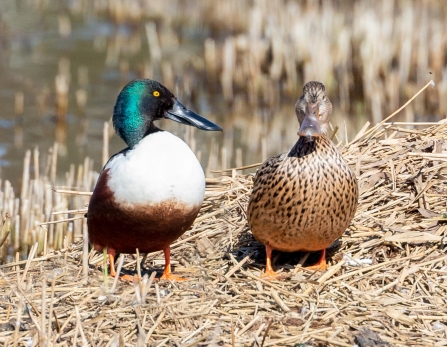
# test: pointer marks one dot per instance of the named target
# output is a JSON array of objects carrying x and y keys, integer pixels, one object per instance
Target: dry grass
[
  {"x": 386, "y": 284},
  {"x": 33, "y": 216}
]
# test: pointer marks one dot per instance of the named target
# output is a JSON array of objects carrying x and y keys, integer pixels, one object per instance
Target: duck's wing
[
  {"x": 270, "y": 165},
  {"x": 266, "y": 173}
]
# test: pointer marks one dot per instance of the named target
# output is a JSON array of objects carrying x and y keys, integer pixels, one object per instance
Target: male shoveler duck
[
  {"x": 148, "y": 194},
  {"x": 305, "y": 199}
]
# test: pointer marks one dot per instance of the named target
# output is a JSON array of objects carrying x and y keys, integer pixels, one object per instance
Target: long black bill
[{"x": 181, "y": 114}]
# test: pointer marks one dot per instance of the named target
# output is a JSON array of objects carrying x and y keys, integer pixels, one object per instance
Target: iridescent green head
[{"x": 143, "y": 101}]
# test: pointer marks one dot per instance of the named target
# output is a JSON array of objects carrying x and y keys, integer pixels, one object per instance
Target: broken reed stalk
[
  {"x": 105, "y": 144},
  {"x": 370, "y": 131},
  {"x": 85, "y": 246},
  {"x": 2, "y": 241}
]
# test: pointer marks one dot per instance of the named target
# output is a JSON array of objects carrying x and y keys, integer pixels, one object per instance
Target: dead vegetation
[{"x": 386, "y": 284}]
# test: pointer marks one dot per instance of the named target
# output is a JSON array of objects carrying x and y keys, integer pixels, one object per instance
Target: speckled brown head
[{"x": 313, "y": 110}]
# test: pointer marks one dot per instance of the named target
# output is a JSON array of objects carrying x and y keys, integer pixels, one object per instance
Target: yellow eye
[{"x": 156, "y": 93}]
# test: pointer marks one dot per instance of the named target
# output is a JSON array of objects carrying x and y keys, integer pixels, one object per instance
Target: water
[
  {"x": 99, "y": 50},
  {"x": 34, "y": 53}
]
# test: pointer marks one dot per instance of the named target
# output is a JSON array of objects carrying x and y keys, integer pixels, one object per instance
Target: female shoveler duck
[
  {"x": 305, "y": 199},
  {"x": 148, "y": 194}
]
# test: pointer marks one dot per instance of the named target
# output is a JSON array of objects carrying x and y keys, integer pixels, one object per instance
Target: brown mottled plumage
[{"x": 306, "y": 198}]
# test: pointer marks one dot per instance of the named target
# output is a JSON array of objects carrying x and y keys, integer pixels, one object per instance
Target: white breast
[{"x": 160, "y": 168}]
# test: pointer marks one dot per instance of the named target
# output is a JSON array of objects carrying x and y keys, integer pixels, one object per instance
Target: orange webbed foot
[
  {"x": 270, "y": 275},
  {"x": 130, "y": 278},
  {"x": 321, "y": 265},
  {"x": 171, "y": 277},
  {"x": 126, "y": 278},
  {"x": 167, "y": 273}
]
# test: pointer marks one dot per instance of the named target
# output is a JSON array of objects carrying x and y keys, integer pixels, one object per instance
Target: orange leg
[
  {"x": 167, "y": 273},
  {"x": 269, "y": 273},
  {"x": 321, "y": 265},
  {"x": 111, "y": 255},
  {"x": 112, "y": 264}
]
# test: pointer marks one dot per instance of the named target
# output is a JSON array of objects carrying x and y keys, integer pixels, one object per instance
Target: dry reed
[{"x": 386, "y": 284}]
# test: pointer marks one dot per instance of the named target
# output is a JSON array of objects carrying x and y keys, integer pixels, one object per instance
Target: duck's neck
[
  {"x": 136, "y": 137},
  {"x": 131, "y": 126},
  {"x": 304, "y": 146},
  {"x": 130, "y": 116},
  {"x": 152, "y": 129}
]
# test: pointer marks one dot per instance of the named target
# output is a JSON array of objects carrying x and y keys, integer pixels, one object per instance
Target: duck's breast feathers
[
  {"x": 124, "y": 227},
  {"x": 160, "y": 168},
  {"x": 304, "y": 199}
]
